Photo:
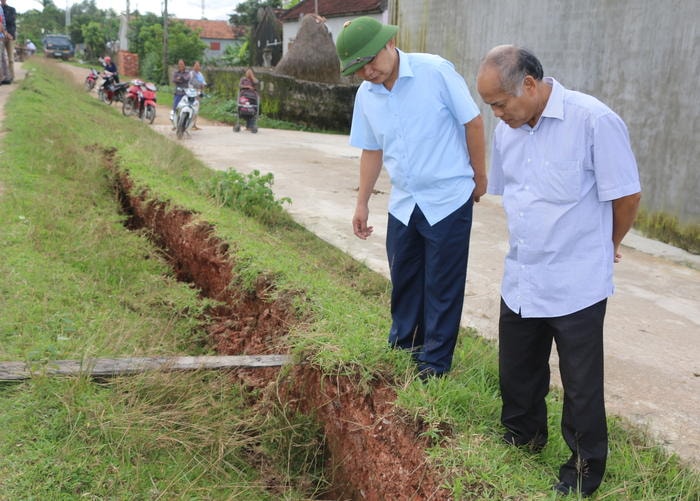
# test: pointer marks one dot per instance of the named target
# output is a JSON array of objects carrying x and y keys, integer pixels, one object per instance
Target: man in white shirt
[{"x": 563, "y": 163}]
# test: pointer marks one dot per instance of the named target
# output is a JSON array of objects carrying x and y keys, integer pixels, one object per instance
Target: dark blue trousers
[
  {"x": 523, "y": 355},
  {"x": 428, "y": 267}
]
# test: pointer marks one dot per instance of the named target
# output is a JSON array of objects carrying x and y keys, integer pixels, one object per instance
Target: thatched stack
[{"x": 312, "y": 57}]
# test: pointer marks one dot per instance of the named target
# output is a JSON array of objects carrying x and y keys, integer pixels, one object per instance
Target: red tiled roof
[
  {"x": 219, "y": 30},
  {"x": 334, "y": 8}
]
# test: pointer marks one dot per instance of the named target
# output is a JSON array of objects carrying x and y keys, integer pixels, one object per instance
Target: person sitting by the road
[
  {"x": 30, "y": 47},
  {"x": 111, "y": 67}
]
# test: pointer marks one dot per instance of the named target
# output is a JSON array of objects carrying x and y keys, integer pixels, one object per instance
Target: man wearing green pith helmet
[{"x": 415, "y": 116}]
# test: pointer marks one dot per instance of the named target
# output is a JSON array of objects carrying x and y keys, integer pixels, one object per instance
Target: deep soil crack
[{"x": 372, "y": 451}]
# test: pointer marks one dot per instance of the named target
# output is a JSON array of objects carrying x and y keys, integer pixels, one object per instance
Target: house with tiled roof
[
  {"x": 216, "y": 34},
  {"x": 336, "y": 12}
]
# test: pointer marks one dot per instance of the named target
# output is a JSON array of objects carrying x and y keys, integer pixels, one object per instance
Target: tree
[
  {"x": 34, "y": 24},
  {"x": 247, "y": 11},
  {"x": 94, "y": 39},
  {"x": 86, "y": 12},
  {"x": 183, "y": 43},
  {"x": 138, "y": 35}
]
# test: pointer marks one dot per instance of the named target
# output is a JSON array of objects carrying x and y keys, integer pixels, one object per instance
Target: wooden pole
[
  {"x": 108, "y": 367},
  {"x": 166, "y": 76}
]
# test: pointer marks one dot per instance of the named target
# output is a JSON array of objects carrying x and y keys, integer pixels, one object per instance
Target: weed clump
[
  {"x": 667, "y": 228},
  {"x": 251, "y": 194}
]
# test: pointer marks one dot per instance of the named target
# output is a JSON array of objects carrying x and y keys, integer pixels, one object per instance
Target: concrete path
[{"x": 652, "y": 338}]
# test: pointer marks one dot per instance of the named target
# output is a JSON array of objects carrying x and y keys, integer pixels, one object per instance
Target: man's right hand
[{"x": 359, "y": 223}]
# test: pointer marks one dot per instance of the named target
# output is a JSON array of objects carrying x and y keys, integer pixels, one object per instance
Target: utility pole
[{"x": 166, "y": 78}]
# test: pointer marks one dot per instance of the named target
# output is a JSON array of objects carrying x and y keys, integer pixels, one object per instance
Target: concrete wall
[
  {"x": 317, "y": 105},
  {"x": 641, "y": 57}
]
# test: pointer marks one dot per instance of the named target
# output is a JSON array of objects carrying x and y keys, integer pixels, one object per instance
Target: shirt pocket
[{"x": 559, "y": 182}]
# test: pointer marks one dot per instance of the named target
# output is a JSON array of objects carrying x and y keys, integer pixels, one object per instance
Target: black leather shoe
[{"x": 564, "y": 489}]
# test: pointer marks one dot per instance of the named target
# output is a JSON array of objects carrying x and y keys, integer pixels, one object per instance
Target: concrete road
[{"x": 652, "y": 338}]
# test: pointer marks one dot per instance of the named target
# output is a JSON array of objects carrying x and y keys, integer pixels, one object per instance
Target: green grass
[{"x": 75, "y": 283}]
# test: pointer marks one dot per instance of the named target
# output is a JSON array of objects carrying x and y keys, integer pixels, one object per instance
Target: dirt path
[{"x": 653, "y": 321}]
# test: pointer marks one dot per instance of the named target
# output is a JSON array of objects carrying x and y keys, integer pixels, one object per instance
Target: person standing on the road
[
  {"x": 197, "y": 79},
  {"x": 563, "y": 163},
  {"x": 10, "y": 16},
  {"x": 181, "y": 79},
  {"x": 198, "y": 82},
  {"x": 4, "y": 65},
  {"x": 414, "y": 115},
  {"x": 31, "y": 48}
]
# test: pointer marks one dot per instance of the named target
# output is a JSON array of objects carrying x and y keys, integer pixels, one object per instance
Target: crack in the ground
[{"x": 372, "y": 451}]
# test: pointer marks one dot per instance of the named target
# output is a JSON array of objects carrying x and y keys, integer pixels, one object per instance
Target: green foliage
[
  {"x": 666, "y": 228},
  {"x": 152, "y": 68},
  {"x": 235, "y": 55},
  {"x": 34, "y": 23},
  {"x": 247, "y": 11},
  {"x": 251, "y": 194},
  {"x": 94, "y": 40},
  {"x": 183, "y": 43},
  {"x": 139, "y": 35},
  {"x": 89, "y": 25},
  {"x": 86, "y": 12}
]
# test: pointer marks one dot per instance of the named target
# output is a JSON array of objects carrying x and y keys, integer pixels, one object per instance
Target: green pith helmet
[{"x": 360, "y": 40}]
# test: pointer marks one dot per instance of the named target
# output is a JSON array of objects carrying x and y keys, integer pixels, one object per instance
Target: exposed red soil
[{"x": 373, "y": 452}]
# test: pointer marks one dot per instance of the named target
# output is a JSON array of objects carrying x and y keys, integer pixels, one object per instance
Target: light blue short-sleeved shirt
[
  {"x": 419, "y": 126},
  {"x": 558, "y": 181}
]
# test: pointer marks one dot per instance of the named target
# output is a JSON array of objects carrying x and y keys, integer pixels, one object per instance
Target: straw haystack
[{"x": 312, "y": 56}]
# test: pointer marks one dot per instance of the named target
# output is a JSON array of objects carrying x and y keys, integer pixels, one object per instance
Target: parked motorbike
[
  {"x": 111, "y": 91},
  {"x": 186, "y": 112},
  {"x": 91, "y": 79},
  {"x": 140, "y": 99}
]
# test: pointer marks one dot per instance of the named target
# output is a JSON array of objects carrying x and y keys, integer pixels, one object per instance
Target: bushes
[{"x": 251, "y": 194}]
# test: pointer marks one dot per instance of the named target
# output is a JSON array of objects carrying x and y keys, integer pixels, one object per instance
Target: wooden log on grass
[{"x": 107, "y": 367}]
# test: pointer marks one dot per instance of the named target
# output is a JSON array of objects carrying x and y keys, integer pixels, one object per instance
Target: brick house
[{"x": 216, "y": 34}]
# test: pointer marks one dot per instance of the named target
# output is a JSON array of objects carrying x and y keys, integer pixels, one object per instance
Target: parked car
[{"x": 58, "y": 46}]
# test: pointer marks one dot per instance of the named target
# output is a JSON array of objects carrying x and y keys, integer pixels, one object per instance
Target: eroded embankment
[{"x": 372, "y": 452}]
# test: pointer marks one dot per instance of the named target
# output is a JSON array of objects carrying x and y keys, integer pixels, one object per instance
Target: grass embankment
[{"x": 75, "y": 283}]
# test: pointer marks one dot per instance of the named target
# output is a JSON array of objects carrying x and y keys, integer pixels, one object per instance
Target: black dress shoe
[
  {"x": 6, "y": 82},
  {"x": 565, "y": 489}
]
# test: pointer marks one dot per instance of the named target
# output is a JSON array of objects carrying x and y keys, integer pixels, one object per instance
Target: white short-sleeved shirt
[
  {"x": 419, "y": 126},
  {"x": 558, "y": 180}
]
